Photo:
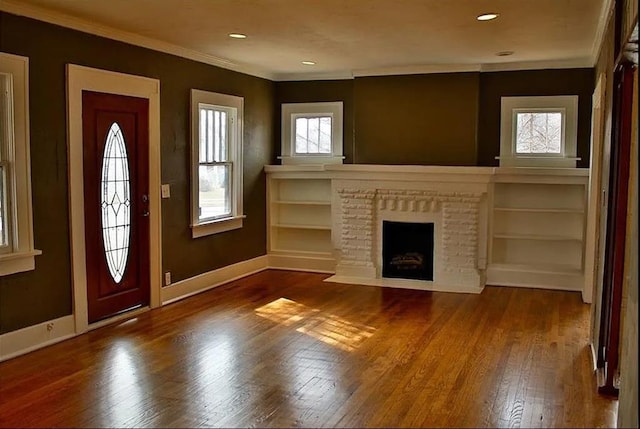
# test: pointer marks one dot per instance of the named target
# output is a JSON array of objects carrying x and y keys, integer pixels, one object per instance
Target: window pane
[
  {"x": 214, "y": 195},
  {"x": 301, "y": 135},
  {"x": 325, "y": 135},
  {"x": 213, "y": 135},
  {"x": 115, "y": 203},
  {"x": 313, "y": 135},
  {"x": 539, "y": 132}
]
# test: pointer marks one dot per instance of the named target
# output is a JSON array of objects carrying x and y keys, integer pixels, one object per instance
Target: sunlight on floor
[{"x": 328, "y": 328}]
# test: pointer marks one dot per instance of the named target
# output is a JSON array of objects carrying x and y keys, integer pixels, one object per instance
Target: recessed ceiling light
[
  {"x": 504, "y": 53},
  {"x": 309, "y": 63},
  {"x": 237, "y": 36},
  {"x": 487, "y": 16}
]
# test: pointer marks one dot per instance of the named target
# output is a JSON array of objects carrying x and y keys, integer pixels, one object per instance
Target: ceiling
[{"x": 343, "y": 37}]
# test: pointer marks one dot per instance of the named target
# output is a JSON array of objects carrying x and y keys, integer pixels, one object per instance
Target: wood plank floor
[{"x": 285, "y": 349}]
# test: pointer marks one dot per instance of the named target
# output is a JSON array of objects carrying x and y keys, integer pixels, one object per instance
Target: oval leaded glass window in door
[{"x": 116, "y": 202}]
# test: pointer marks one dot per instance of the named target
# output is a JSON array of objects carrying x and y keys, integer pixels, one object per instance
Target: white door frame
[
  {"x": 81, "y": 78},
  {"x": 594, "y": 236}
]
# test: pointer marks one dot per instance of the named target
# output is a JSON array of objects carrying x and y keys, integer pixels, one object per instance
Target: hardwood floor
[{"x": 286, "y": 349}]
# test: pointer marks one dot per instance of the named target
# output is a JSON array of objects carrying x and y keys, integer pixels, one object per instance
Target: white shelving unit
[
  {"x": 299, "y": 218},
  {"x": 538, "y": 228}
]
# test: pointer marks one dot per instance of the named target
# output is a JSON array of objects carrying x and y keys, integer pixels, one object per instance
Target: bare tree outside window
[
  {"x": 539, "y": 132},
  {"x": 313, "y": 135}
]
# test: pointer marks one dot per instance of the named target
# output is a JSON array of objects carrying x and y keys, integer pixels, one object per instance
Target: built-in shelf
[
  {"x": 537, "y": 210},
  {"x": 303, "y": 203},
  {"x": 536, "y": 237},
  {"x": 294, "y": 226},
  {"x": 537, "y": 229},
  {"x": 299, "y": 218},
  {"x": 539, "y": 268}
]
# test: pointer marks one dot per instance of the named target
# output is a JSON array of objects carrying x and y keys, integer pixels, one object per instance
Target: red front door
[{"x": 116, "y": 188}]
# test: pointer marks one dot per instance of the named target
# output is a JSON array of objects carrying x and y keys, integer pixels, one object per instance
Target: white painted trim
[
  {"x": 234, "y": 107},
  {"x": 81, "y": 78},
  {"x": 89, "y": 27},
  {"x": 567, "y": 104},
  {"x": 537, "y": 65},
  {"x": 22, "y": 341},
  {"x": 594, "y": 357},
  {"x": 18, "y": 255},
  {"x": 291, "y": 111},
  {"x": 292, "y": 77},
  {"x": 605, "y": 14},
  {"x": 441, "y": 68},
  {"x": 419, "y": 69},
  {"x": 592, "y": 239},
  {"x": 209, "y": 280},
  {"x": 298, "y": 262},
  {"x": 534, "y": 279}
]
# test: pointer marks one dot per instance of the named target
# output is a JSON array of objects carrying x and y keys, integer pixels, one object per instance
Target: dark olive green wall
[
  {"x": 437, "y": 119},
  {"x": 46, "y": 293},
  {"x": 318, "y": 91},
  {"x": 416, "y": 119},
  {"x": 530, "y": 83}
]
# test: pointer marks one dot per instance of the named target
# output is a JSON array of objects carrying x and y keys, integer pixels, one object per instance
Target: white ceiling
[{"x": 343, "y": 37}]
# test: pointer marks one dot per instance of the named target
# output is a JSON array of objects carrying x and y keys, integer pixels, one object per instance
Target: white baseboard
[
  {"x": 22, "y": 341},
  {"x": 535, "y": 280},
  {"x": 594, "y": 358},
  {"x": 310, "y": 264},
  {"x": 205, "y": 281}
]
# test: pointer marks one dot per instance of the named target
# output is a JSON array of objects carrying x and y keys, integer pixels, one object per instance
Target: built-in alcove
[{"x": 407, "y": 250}]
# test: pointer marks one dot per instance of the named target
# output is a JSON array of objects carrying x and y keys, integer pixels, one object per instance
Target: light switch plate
[{"x": 166, "y": 190}]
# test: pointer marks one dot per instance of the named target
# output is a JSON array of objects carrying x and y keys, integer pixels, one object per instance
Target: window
[
  {"x": 539, "y": 131},
  {"x": 312, "y": 133},
  {"x": 16, "y": 228},
  {"x": 216, "y": 187}
]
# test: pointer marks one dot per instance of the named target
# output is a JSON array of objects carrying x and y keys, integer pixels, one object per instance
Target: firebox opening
[{"x": 407, "y": 250}]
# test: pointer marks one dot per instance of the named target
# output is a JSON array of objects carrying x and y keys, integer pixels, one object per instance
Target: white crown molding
[
  {"x": 289, "y": 77},
  {"x": 417, "y": 69},
  {"x": 85, "y": 26},
  {"x": 538, "y": 65},
  {"x": 605, "y": 15},
  {"x": 445, "y": 68}
]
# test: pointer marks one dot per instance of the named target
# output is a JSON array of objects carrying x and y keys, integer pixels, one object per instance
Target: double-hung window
[
  {"x": 312, "y": 133},
  {"x": 16, "y": 226},
  {"x": 216, "y": 188},
  {"x": 539, "y": 131}
]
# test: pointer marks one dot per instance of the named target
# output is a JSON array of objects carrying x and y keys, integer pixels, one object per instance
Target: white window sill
[
  {"x": 537, "y": 161},
  {"x": 11, "y": 263},
  {"x": 314, "y": 159},
  {"x": 216, "y": 226}
]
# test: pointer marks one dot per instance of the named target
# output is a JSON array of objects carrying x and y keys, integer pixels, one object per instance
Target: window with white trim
[
  {"x": 539, "y": 131},
  {"x": 216, "y": 171},
  {"x": 16, "y": 227},
  {"x": 312, "y": 133}
]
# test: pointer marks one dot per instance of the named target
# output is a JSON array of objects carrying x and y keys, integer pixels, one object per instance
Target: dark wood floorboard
[{"x": 285, "y": 349}]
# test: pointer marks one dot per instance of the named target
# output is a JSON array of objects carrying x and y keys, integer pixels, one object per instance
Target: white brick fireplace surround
[{"x": 454, "y": 199}]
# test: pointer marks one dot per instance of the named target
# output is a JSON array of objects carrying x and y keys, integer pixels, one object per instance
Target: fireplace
[
  {"x": 407, "y": 250},
  {"x": 444, "y": 210}
]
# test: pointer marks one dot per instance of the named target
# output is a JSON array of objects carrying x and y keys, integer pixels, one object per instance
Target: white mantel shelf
[
  {"x": 425, "y": 172},
  {"x": 483, "y": 218}
]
